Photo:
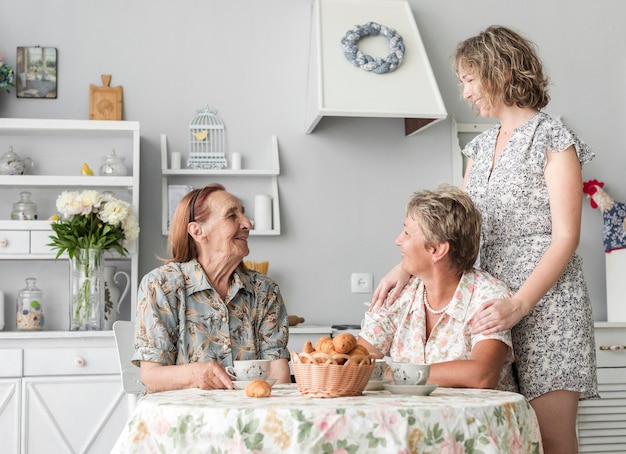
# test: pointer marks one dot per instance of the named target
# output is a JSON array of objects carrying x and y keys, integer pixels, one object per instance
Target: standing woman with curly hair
[{"x": 525, "y": 176}]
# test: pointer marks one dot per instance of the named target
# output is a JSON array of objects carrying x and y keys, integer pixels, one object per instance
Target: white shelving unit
[
  {"x": 244, "y": 183},
  {"x": 60, "y": 390},
  {"x": 59, "y": 148}
]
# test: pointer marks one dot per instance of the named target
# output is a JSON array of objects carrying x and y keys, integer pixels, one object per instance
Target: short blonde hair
[
  {"x": 507, "y": 66},
  {"x": 448, "y": 215}
]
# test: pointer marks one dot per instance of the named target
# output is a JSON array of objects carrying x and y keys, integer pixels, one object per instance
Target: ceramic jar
[{"x": 12, "y": 164}]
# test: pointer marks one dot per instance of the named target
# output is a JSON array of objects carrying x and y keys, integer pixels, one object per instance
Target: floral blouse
[
  {"x": 398, "y": 330},
  {"x": 182, "y": 319}
]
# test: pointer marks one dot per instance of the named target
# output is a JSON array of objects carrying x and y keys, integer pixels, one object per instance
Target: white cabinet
[
  {"x": 10, "y": 394},
  {"x": 244, "y": 183},
  {"x": 64, "y": 395},
  {"x": 602, "y": 422},
  {"x": 58, "y": 149}
]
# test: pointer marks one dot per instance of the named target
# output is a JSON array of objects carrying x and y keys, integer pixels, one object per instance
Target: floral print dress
[{"x": 554, "y": 344}]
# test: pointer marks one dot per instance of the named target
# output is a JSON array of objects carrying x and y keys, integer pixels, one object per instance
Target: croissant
[
  {"x": 359, "y": 350},
  {"x": 308, "y": 347},
  {"x": 258, "y": 388},
  {"x": 325, "y": 345},
  {"x": 344, "y": 342}
]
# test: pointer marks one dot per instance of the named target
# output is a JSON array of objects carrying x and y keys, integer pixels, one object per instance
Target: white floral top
[{"x": 399, "y": 330}]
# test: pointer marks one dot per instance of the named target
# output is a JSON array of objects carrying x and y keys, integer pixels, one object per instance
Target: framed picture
[{"x": 37, "y": 72}]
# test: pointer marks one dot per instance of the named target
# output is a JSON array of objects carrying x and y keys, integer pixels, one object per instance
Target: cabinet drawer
[
  {"x": 39, "y": 240},
  {"x": 14, "y": 242},
  {"x": 607, "y": 337},
  {"x": 11, "y": 361},
  {"x": 70, "y": 361}
]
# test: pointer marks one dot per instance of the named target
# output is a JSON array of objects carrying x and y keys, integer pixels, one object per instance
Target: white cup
[
  {"x": 380, "y": 367},
  {"x": 247, "y": 370},
  {"x": 409, "y": 373}
]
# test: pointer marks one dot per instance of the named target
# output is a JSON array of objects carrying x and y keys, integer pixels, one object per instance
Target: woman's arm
[
  {"x": 279, "y": 370},
  {"x": 564, "y": 181},
  {"x": 207, "y": 375},
  {"x": 481, "y": 371}
]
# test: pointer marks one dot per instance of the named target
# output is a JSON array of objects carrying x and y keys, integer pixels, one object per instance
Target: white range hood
[{"x": 338, "y": 88}]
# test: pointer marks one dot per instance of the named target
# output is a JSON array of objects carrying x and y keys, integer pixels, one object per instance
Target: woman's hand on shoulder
[
  {"x": 498, "y": 315},
  {"x": 390, "y": 287}
]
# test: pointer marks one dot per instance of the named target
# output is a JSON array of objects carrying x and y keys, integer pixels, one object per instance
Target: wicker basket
[{"x": 324, "y": 376}]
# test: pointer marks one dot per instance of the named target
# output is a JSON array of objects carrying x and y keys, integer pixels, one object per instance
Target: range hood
[{"x": 338, "y": 88}]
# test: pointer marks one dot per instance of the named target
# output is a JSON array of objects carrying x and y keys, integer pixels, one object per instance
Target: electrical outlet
[{"x": 361, "y": 283}]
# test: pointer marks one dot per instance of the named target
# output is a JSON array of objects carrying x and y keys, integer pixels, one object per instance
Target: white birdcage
[{"x": 207, "y": 141}]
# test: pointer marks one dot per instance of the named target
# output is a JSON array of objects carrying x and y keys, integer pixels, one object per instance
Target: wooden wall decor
[{"x": 105, "y": 103}]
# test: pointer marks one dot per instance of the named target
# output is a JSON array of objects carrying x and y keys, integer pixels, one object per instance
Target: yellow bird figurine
[
  {"x": 85, "y": 170},
  {"x": 200, "y": 136}
]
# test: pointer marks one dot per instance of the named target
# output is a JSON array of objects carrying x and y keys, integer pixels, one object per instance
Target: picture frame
[{"x": 36, "y": 73}]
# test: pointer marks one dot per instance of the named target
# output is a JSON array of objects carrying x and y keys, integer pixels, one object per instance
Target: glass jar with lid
[
  {"x": 113, "y": 165},
  {"x": 29, "y": 309},
  {"x": 24, "y": 209}
]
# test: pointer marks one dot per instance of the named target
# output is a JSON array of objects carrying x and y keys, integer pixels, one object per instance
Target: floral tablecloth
[{"x": 447, "y": 421}]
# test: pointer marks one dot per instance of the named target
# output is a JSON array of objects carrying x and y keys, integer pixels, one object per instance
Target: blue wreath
[{"x": 366, "y": 62}]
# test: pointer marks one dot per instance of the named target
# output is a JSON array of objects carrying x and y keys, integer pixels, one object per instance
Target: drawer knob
[
  {"x": 79, "y": 361},
  {"x": 612, "y": 347},
  {"x": 4, "y": 242}
]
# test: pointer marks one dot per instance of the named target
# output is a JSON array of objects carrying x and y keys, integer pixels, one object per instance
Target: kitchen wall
[{"x": 342, "y": 188}]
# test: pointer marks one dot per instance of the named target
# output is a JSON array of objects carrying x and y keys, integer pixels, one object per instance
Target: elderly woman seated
[
  {"x": 431, "y": 322},
  {"x": 203, "y": 308}
]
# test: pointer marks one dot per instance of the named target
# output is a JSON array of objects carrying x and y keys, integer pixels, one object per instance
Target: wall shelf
[{"x": 233, "y": 180}]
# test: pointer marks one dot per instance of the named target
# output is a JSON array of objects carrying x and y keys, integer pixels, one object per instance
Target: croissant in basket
[
  {"x": 325, "y": 345},
  {"x": 344, "y": 342}
]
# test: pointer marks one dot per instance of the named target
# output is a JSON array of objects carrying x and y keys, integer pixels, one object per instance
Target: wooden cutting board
[{"x": 105, "y": 103}]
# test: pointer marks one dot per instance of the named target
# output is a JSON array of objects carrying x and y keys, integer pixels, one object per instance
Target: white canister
[
  {"x": 175, "y": 160},
  {"x": 262, "y": 212},
  {"x": 235, "y": 161}
]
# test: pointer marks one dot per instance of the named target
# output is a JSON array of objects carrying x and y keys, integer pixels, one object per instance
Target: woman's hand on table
[
  {"x": 205, "y": 375},
  {"x": 210, "y": 375}
]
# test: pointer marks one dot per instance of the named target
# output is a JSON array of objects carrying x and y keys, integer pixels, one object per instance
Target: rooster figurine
[{"x": 613, "y": 215}]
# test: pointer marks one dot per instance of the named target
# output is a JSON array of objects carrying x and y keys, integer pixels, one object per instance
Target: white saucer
[
  {"x": 376, "y": 385},
  {"x": 242, "y": 384},
  {"x": 413, "y": 390}
]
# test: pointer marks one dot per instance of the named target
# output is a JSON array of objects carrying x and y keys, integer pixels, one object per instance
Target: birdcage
[{"x": 207, "y": 141}]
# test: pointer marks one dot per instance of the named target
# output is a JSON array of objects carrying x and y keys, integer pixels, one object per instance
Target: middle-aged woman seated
[
  {"x": 431, "y": 321},
  {"x": 203, "y": 308}
]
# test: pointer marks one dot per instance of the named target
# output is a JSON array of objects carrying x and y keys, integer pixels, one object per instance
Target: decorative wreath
[{"x": 366, "y": 62}]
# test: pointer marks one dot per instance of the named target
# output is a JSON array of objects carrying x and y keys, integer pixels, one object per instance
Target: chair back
[{"x": 131, "y": 374}]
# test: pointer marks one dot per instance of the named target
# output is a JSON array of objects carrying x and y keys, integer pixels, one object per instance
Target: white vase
[{"x": 113, "y": 297}]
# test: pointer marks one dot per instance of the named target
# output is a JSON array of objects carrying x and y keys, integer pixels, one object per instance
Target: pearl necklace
[{"x": 430, "y": 309}]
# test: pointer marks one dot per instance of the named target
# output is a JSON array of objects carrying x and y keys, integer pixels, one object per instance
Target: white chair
[{"x": 131, "y": 374}]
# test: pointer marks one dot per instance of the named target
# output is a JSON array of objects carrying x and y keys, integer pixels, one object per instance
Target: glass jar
[
  {"x": 113, "y": 166},
  {"x": 24, "y": 209},
  {"x": 29, "y": 310}
]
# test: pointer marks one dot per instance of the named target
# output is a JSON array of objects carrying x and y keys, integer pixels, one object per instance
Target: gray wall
[{"x": 343, "y": 188}]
